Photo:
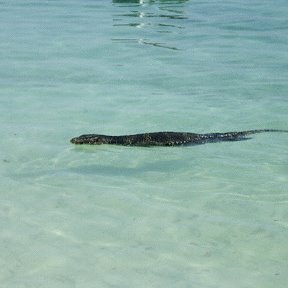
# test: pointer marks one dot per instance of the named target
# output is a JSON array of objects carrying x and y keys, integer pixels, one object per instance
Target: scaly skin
[{"x": 166, "y": 138}]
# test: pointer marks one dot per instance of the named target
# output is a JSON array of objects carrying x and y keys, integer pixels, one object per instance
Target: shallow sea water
[{"x": 207, "y": 216}]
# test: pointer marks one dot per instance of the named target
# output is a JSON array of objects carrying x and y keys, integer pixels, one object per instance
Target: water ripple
[{"x": 151, "y": 18}]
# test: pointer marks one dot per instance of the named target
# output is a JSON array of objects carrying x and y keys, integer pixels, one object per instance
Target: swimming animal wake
[{"x": 166, "y": 138}]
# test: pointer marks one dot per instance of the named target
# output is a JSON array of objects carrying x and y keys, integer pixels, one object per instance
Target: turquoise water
[{"x": 205, "y": 216}]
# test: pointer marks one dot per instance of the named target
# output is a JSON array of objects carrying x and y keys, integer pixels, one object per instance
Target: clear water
[{"x": 206, "y": 216}]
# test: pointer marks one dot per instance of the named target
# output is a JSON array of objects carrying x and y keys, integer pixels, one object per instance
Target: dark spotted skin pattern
[{"x": 166, "y": 138}]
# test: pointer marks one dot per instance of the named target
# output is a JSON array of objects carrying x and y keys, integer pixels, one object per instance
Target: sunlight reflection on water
[{"x": 166, "y": 18}]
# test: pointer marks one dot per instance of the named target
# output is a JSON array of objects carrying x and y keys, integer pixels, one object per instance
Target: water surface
[{"x": 212, "y": 215}]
